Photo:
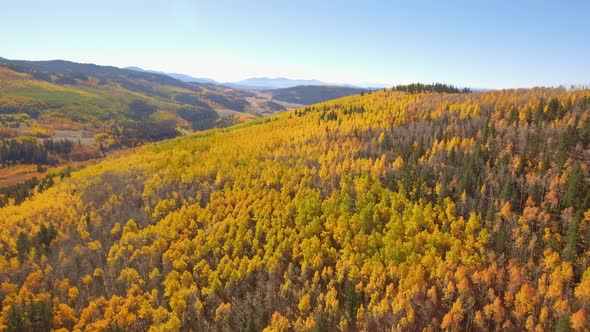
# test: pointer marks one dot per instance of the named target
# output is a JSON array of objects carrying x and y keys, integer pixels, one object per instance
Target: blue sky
[{"x": 487, "y": 44}]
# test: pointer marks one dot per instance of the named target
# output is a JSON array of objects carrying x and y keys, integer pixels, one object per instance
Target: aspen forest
[{"x": 402, "y": 209}]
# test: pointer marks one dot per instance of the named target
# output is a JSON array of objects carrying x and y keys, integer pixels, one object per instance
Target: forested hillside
[
  {"x": 111, "y": 107},
  {"x": 122, "y": 107},
  {"x": 391, "y": 210}
]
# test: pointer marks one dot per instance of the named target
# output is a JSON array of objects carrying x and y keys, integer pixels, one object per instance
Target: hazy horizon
[{"x": 505, "y": 46}]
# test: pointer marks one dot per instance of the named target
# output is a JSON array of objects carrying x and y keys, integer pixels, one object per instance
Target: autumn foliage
[{"x": 422, "y": 211}]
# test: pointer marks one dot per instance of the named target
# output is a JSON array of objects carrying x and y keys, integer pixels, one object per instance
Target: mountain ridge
[
  {"x": 181, "y": 77},
  {"x": 262, "y": 82}
]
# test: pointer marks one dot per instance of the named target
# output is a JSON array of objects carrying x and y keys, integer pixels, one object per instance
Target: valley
[{"x": 98, "y": 110}]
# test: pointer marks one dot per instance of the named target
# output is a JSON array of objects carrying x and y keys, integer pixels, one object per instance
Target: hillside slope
[
  {"x": 104, "y": 108},
  {"x": 388, "y": 210},
  {"x": 111, "y": 97},
  {"x": 58, "y": 93},
  {"x": 89, "y": 93}
]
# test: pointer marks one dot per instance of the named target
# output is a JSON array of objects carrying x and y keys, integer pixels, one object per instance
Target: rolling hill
[
  {"x": 391, "y": 210},
  {"x": 58, "y": 112},
  {"x": 91, "y": 100},
  {"x": 89, "y": 110},
  {"x": 87, "y": 94}
]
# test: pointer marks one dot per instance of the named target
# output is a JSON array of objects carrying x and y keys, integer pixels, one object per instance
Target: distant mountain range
[
  {"x": 181, "y": 77},
  {"x": 88, "y": 93},
  {"x": 265, "y": 83},
  {"x": 261, "y": 83}
]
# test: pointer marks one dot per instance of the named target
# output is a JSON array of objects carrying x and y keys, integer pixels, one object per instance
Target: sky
[{"x": 479, "y": 44}]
